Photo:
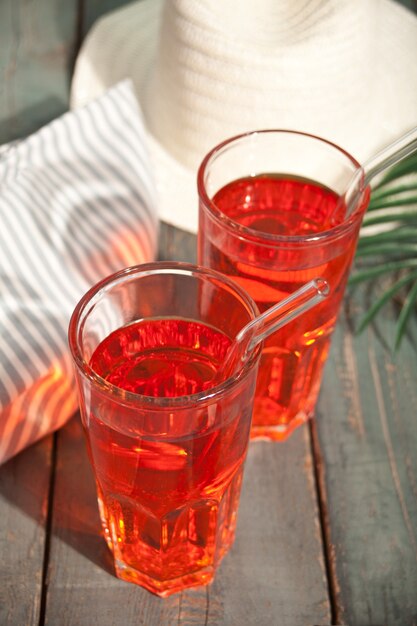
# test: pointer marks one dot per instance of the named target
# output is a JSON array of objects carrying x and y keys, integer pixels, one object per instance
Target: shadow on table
[
  {"x": 59, "y": 495},
  {"x": 75, "y": 517}
]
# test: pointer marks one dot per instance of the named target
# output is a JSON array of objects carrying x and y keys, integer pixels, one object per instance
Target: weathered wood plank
[
  {"x": 82, "y": 587},
  {"x": 274, "y": 571},
  {"x": 93, "y": 9},
  {"x": 368, "y": 436},
  {"x": 410, "y": 4},
  {"x": 176, "y": 244},
  {"x": 24, "y": 490},
  {"x": 37, "y": 45}
]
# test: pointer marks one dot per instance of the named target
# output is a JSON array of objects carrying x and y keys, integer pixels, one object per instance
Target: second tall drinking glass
[{"x": 271, "y": 218}]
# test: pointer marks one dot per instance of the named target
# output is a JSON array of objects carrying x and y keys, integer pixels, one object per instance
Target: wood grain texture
[
  {"x": 176, "y": 244},
  {"x": 274, "y": 573},
  {"x": 37, "y": 46},
  {"x": 24, "y": 491},
  {"x": 82, "y": 587},
  {"x": 367, "y": 430}
]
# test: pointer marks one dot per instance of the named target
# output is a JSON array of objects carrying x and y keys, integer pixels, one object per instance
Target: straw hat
[{"x": 204, "y": 70}]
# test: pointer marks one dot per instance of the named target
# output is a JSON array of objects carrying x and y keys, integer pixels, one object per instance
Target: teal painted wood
[
  {"x": 274, "y": 573},
  {"x": 24, "y": 493},
  {"x": 93, "y": 9},
  {"x": 176, "y": 245},
  {"x": 82, "y": 588},
  {"x": 367, "y": 430},
  {"x": 37, "y": 46},
  {"x": 410, "y": 4}
]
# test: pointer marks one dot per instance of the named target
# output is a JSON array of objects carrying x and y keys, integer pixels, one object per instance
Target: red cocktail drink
[
  {"x": 166, "y": 447},
  {"x": 272, "y": 233}
]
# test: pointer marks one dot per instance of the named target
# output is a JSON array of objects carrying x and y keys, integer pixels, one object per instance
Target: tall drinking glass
[
  {"x": 271, "y": 218},
  {"x": 167, "y": 449}
]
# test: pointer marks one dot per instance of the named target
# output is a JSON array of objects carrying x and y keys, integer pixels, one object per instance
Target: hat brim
[{"x": 130, "y": 36}]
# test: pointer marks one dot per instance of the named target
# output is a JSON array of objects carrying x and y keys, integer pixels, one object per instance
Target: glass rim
[
  {"x": 263, "y": 238},
  {"x": 130, "y": 398}
]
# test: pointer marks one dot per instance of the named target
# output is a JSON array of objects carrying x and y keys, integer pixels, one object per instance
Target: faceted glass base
[{"x": 167, "y": 587}]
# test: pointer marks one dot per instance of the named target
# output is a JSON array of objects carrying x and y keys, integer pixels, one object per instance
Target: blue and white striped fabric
[{"x": 76, "y": 204}]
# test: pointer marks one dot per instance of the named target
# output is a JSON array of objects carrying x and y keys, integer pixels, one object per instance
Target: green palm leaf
[
  {"x": 379, "y": 193},
  {"x": 406, "y": 311},
  {"x": 380, "y": 270},
  {"x": 403, "y": 168},
  {"x": 398, "y": 235},
  {"x": 390, "y": 216},
  {"x": 387, "y": 202},
  {"x": 386, "y": 296},
  {"x": 391, "y": 246}
]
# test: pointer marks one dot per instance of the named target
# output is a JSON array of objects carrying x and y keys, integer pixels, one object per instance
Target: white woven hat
[{"x": 205, "y": 70}]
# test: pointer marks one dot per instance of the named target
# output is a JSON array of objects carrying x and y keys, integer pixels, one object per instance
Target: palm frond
[
  {"x": 389, "y": 202},
  {"x": 403, "y": 168},
  {"x": 391, "y": 247},
  {"x": 384, "y": 268},
  {"x": 396, "y": 235},
  {"x": 407, "y": 309},
  {"x": 381, "y": 192},
  {"x": 388, "y": 240},
  {"x": 396, "y": 217},
  {"x": 386, "y": 296}
]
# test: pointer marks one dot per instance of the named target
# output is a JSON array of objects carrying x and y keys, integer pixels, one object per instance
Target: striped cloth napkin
[{"x": 76, "y": 204}]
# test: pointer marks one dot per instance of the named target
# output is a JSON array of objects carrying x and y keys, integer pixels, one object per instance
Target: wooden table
[{"x": 327, "y": 529}]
